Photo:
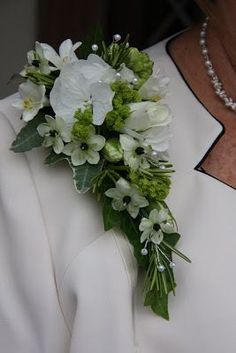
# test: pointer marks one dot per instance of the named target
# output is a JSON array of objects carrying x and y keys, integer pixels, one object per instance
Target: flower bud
[{"x": 112, "y": 150}]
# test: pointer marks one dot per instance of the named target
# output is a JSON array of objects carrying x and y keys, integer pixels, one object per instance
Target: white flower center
[{"x": 28, "y": 104}]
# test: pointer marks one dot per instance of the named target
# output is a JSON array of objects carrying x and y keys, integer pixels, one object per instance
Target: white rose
[{"x": 145, "y": 115}]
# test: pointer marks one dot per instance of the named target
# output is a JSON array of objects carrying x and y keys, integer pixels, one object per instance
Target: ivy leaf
[
  {"x": 111, "y": 217},
  {"x": 28, "y": 137},
  {"x": 159, "y": 304},
  {"x": 130, "y": 227},
  {"x": 54, "y": 158},
  {"x": 84, "y": 175},
  {"x": 172, "y": 239}
]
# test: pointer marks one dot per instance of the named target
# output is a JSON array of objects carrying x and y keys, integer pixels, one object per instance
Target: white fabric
[{"x": 66, "y": 286}]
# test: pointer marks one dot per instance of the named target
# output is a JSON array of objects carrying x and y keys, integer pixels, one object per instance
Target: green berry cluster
[
  {"x": 82, "y": 127},
  {"x": 140, "y": 63}
]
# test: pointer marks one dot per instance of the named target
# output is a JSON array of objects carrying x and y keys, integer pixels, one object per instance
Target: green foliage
[
  {"x": 158, "y": 303},
  {"x": 124, "y": 94},
  {"x": 28, "y": 137},
  {"x": 82, "y": 127},
  {"x": 155, "y": 189},
  {"x": 130, "y": 227},
  {"x": 115, "y": 54},
  {"x": 84, "y": 175},
  {"x": 54, "y": 158},
  {"x": 140, "y": 63},
  {"x": 111, "y": 218}
]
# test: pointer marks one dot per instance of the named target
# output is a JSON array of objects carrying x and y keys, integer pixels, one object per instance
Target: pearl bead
[
  {"x": 144, "y": 251},
  {"x": 162, "y": 167},
  {"x": 211, "y": 72},
  {"x": 135, "y": 81},
  {"x": 202, "y": 34},
  {"x": 161, "y": 268},
  {"x": 172, "y": 264},
  {"x": 127, "y": 45},
  {"x": 208, "y": 63},
  {"x": 204, "y": 51},
  {"x": 118, "y": 75},
  {"x": 117, "y": 37},
  {"x": 202, "y": 41},
  {"x": 154, "y": 154},
  {"x": 94, "y": 47}
]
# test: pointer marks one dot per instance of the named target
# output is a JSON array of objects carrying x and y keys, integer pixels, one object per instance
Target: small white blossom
[
  {"x": 30, "y": 100},
  {"x": 82, "y": 151},
  {"x": 55, "y": 133},
  {"x": 134, "y": 152},
  {"x": 152, "y": 228},
  {"x": 66, "y": 53},
  {"x": 126, "y": 197}
]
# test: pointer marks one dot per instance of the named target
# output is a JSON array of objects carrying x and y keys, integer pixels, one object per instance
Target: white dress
[{"x": 66, "y": 286}]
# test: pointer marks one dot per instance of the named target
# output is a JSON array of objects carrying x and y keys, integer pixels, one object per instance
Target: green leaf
[
  {"x": 130, "y": 227},
  {"x": 54, "y": 158},
  {"x": 111, "y": 217},
  {"x": 84, "y": 175},
  {"x": 159, "y": 304},
  {"x": 172, "y": 238},
  {"x": 95, "y": 37},
  {"x": 28, "y": 137}
]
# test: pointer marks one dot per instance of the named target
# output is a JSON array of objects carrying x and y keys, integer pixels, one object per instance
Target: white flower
[
  {"x": 126, "y": 197},
  {"x": 30, "y": 100},
  {"x": 149, "y": 122},
  {"x": 154, "y": 88},
  {"x": 37, "y": 60},
  {"x": 95, "y": 69},
  {"x": 134, "y": 152},
  {"x": 152, "y": 228},
  {"x": 75, "y": 88},
  {"x": 55, "y": 133},
  {"x": 66, "y": 53},
  {"x": 85, "y": 150}
]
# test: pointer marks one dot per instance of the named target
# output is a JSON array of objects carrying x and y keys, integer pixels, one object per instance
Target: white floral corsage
[{"x": 103, "y": 112}]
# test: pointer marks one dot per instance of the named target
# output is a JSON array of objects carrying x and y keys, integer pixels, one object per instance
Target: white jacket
[{"x": 66, "y": 286}]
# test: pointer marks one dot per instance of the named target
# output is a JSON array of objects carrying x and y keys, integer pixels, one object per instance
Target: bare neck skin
[{"x": 221, "y": 161}]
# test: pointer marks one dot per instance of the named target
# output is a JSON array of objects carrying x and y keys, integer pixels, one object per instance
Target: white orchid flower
[
  {"x": 155, "y": 88},
  {"x": 30, "y": 100},
  {"x": 66, "y": 53},
  {"x": 95, "y": 69},
  {"x": 152, "y": 228},
  {"x": 126, "y": 197},
  {"x": 55, "y": 132},
  {"x": 82, "y": 151},
  {"x": 76, "y": 89},
  {"x": 134, "y": 152}
]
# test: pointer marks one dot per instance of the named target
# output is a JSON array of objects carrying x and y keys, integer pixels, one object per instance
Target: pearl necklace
[{"x": 216, "y": 83}]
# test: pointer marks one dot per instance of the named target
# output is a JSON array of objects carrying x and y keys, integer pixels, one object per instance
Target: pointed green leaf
[
  {"x": 54, "y": 158},
  {"x": 111, "y": 217},
  {"x": 159, "y": 304},
  {"x": 130, "y": 227},
  {"x": 28, "y": 136},
  {"x": 84, "y": 175}
]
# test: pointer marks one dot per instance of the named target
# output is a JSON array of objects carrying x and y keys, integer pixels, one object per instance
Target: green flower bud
[{"x": 112, "y": 150}]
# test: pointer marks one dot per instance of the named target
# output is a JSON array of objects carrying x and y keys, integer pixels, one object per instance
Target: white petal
[
  {"x": 78, "y": 157},
  {"x": 114, "y": 193},
  {"x": 51, "y": 55},
  {"x": 43, "y": 129},
  {"x": 123, "y": 186},
  {"x": 58, "y": 145},
  {"x": 29, "y": 115},
  {"x": 157, "y": 237},
  {"x": 145, "y": 224},
  {"x": 69, "y": 148},
  {"x": 128, "y": 143},
  {"x": 118, "y": 205},
  {"x": 96, "y": 142},
  {"x": 92, "y": 157},
  {"x": 102, "y": 96},
  {"x": 133, "y": 210},
  {"x": 144, "y": 236}
]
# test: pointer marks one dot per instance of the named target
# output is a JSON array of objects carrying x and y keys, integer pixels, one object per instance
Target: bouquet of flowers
[{"x": 103, "y": 112}]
